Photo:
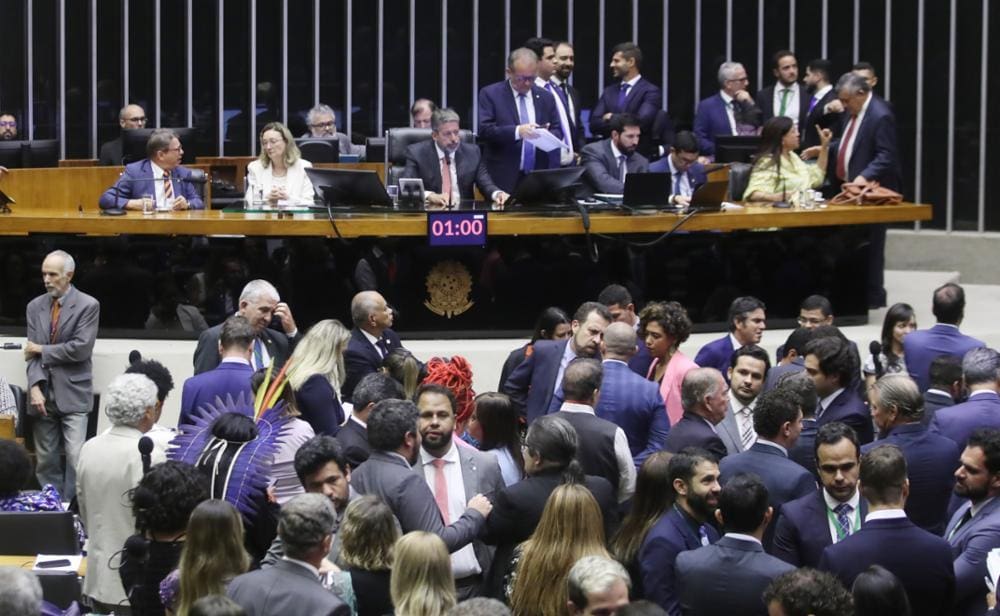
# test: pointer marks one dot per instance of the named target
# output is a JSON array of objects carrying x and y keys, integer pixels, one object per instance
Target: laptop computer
[
  {"x": 647, "y": 190},
  {"x": 709, "y": 196}
]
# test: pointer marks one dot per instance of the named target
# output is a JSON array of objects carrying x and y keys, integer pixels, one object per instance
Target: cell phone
[{"x": 52, "y": 564}]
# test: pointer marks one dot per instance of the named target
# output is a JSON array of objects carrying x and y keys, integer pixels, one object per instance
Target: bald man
[
  {"x": 130, "y": 117},
  {"x": 371, "y": 339}
]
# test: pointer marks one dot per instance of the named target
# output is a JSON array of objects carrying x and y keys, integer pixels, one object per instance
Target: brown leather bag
[{"x": 871, "y": 193}]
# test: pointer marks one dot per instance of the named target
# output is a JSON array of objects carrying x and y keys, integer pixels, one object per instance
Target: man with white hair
[
  {"x": 110, "y": 466},
  {"x": 730, "y": 111},
  {"x": 597, "y": 585},
  {"x": 322, "y": 123},
  {"x": 62, "y": 328},
  {"x": 20, "y": 592},
  {"x": 259, "y": 304}
]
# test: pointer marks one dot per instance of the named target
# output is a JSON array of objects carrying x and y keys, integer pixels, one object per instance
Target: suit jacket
[
  {"x": 285, "y": 588},
  {"x": 390, "y": 478},
  {"x": 574, "y": 116},
  {"x": 876, "y": 153},
  {"x": 850, "y": 409},
  {"x": 206, "y": 354},
  {"x": 969, "y": 546},
  {"x": 696, "y": 172},
  {"x": 498, "y": 120},
  {"x": 922, "y": 347},
  {"x": 802, "y": 453},
  {"x": 693, "y": 431},
  {"x": 532, "y": 385},
  {"x": 931, "y": 461},
  {"x": 802, "y": 531},
  {"x": 933, "y": 402},
  {"x": 361, "y": 359},
  {"x": 833, "y": 121},
  {"x": 601, "y": 168},
  {"x": 319, "y": 405},
  {"x": 64, "y": 368},
  {"x": 729, "y": 431},
  {"x": 798, "y": 365},
  {"x": 765, "y": 101},
  {"x": 716, "y": 354},
  {"x": 711, "y": 119},
  {"x": 297, "y": 183},
  {"x": 112, "y": 153},
  {"x": 634, "y": 404},
  {"x": 422, "y": 162},
  {"x": 728, "y": 577},
  {"x": 353, "y": 438},
  {"x": 921, "y": 561},
  {"x": 643, "y": 101},
  {"x": 137, "y": 180},
  {"x": 228, "y": 378},
  {"x": 671, "y": 535},
  {"x": 959, "y": 421}
]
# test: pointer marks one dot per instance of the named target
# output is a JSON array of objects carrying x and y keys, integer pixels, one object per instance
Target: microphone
[
  {"x": 145, "y": 448},
  {"x": 134, "y": 357},
  {"x": 11, "y": 346},
  {"x": 876, "y": 349}
]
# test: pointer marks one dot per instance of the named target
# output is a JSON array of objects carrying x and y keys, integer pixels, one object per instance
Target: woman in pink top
[{"x": 664, "y": 326}]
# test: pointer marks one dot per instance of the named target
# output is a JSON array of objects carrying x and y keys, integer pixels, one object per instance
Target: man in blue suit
[
  {"x": 808, "y": 524},
  {"x": 159, "y": 175},
  {"x": 921, "y": 347},
  {"x": 931, "y": 459},
  {"x": 628, "y": 400},
  {"x": 687, "y": 525},
  {"x": 607, "y": 162},
  {"x": 833, "y": 367},
  {"x": 974, "y": 530},
  {"x": 230, "y": 378},
  {"x": 730, "y": 576},
  {"x": 790, "y": 357},
  {"x": 533, "y": 387},
  {"x": 922, "y": 561},
  {"x": 686, "y": 173},
  {"x": 747, "y": 322},
  {"x": 622, "y": 308},
  {"x": 981, "y": 370},
  {"x": 509, "y": 113},
  {"x": 630, "y": 94},
  {"x": 704, "y": 398},
  {"x": 946, "y": 386},
  {"x": 371, "y": 340},
  {"x": 730, "y": 111}
]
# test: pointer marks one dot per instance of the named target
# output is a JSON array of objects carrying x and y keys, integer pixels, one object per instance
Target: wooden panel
[
  {"x": 233, "y": 168},
  {"x": 77, "y": 162}
]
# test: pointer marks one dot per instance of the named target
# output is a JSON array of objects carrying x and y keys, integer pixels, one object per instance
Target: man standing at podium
[{"x": 159, "y": 175}]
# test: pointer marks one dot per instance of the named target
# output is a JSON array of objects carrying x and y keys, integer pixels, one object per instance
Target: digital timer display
[{"x": 456, "y": 228}]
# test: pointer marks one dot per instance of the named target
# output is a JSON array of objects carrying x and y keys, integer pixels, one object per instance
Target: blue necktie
[
  {"x": 812, "y": 103},
  {"x": 677, "y": 182},
  {"x": 622, "y": 94},
  {"x": 843, "y": 511},
  {"x": 258, "y": 354},
  {"x": 529, "y": 149}
]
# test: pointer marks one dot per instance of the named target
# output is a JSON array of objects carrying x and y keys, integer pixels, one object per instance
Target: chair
[
  {"x": 396, "y": 142},
  {"x": 37, "y": 532},
  {"x": 739, "y": 179},
  {"x": 60, "y": 588},
  {"x": 319, "y": 151}
]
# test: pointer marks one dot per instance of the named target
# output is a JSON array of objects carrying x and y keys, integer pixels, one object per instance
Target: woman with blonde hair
[
  {"x": 571, "y": 528},
  {"x": 316, "y": 374},
  {"x": 367, "y": 536},
  {"x": 406, "y": 369},
  {"x": 279, "y": 173},
  {"x": 421, "y": 582}
]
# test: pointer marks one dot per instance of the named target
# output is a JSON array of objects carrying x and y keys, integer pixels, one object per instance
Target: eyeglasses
[
  {"x": 141, "y": 120},
  {"x": 322, "y": 125},
  {"x": 8, "y": 123},
  {"x": 809, "y": 321},
  {"x": 177, "y": 149},
  {"x": 739, "y": 79}
]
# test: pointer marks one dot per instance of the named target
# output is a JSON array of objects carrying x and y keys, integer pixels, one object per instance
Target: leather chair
[
  {"x": 319, "y": 151},
  {"x": 739, "y": 179},
  {"x": 398, "y": 139}
]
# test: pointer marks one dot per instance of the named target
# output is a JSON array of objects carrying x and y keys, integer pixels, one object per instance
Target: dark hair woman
[
  {"x": 494, "y": 425},
  {"x": 778, "y": 171},
  {"x": 899, "y": 321}
]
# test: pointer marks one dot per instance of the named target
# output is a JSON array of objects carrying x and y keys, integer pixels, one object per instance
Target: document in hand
[{"x": 546, "y": 141}]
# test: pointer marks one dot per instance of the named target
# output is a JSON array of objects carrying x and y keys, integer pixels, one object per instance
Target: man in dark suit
[
  {"x": 921, "y": 347},
  {"x": 510, "y": 111},
  {"x": 974, "y": 530},
  {"x": 921, "y": 560},
  {"x": 61, "y": 331},
  {"x": 686, "y": 173},
  {"x": 730, "y": 111},
  {"x": 607, "y": 162},
  {"x": 730, "y": 576},
  {"x": 259, "y": 304},
  {"x": 230, "y": 378},
  {"x": 833, "y": 368},
  {"x": 777, "y": 419},
  {"x": 819, "y": 86},
  {"x": 371, "y": 340},
  {"x": 790, "y": 357},
  {"x": 802, "y": 386},
  {"x": 981, "y": 371},
  {"x": 747, "y": 322},
  {"x": 688, "y": 525},
  {"x": 703, "y": 396},
  {"x": 292, "y": 585},
  {"x": 622, "y": 307},
  {"x": 630, "y": 93},
  {"x": 931, "y": 459},
  {"x": 815, "y": 312},
  {"x": 627, "y": 399},
  {"x": 565, "y": 62},
  {"x": 945, "y": 386},
  {"x": 159, "y": 175},
  {"x": 130, "y": 117},
  {"x": 448, "y": 167},
  {"x": 747, "y": 370},
  {"x": 353, "y": 435},
  {"x": 545, "y": 50},
  {"x": 786, "y": 97},
  {"x": 535, "y": 386},
  {"x": 808, "y": 524},
  {"x": 455, "y": 473}
]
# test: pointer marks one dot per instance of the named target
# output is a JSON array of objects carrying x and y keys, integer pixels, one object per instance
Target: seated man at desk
[
  {"x": 130, "y": 116},
  {"x": 323, "y": 125},
  {"x": 447, "y": 166},
  {"x": 686, "y": 173},
  {"x": 607, "y": 162},
  {"x": 159, "y": 175}
]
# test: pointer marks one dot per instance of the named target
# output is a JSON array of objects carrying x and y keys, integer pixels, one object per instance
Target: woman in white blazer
[{"x": 279, "y": 173}]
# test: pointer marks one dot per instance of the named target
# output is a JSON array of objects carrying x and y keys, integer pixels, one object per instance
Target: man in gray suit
[
  {"x": 729, "y": 577},
  {"x": 607, "y": 162},
  {"x": 395, "y": 441},
  {"x": 62, "y": 328},
  {"x": 747, "y": 370},
  {"x": 292, "y": 586},
  {"x": 453, "y": 473}
]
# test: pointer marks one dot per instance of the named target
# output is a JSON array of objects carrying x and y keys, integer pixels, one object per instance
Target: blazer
[
  {"x": 422, "y": 162},
  {"x": 643, "y": 101},
  {"x": 802, "y": 453},
  {"x": 670, "y": 384},
  {"x": 300, "y": 188},
  {"x": 922, "y": 347},
  {"x": 693, "y": 431},
  {"x": 776, "y": 372},
  {"x": 226, "y": 379},
  {"x": 389, "y": 477},
  {"x": 711, "y": 119},
  {"x": 137, "y": 180},
  {"x": 696, "y": 172},
  {"x": 765, "y": 101},
  {"x": 970, "y": 545},
  {"x": 636, "y": 406},
  {"x": 716, "y": 354},
  {"x": 833, "y": 121},
  {"x": 876, "y": 153},
  {"x": 931, "y": 460},
  {"x": 933, "y": 402},
  {"x": 206, "y": 354},
  {"x": 728, "y": 577},
  {"x": 573, "y": 113},
  {"x": 802, "y": 531},
  {"x": 601, "y": 168},
  {"x": 532, "y": 385},
  {"x": 319, "y": 405},
  {"x": 514, "y": 359},
  {"x": 641, "y": 360},
  {"x": 353, "y": 438},
  {"x": 850, "y": 409},
  {"x": 284, "y": 588},
  {"x": 959, "y": 421},
  {"x": 921, "y": 561},
  {"x": 499, "y": 118},
  {"x": 112, "y": 153},
  {"x": 668, "y": 537},
  {"x": 729, "y": 431},
  {"x": 361, "y": 359},
  {"x": 64, "y": 368}
]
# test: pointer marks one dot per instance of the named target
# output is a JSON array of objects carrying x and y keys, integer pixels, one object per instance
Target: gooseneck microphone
[
  {"x": 145, "y": 448},
  {"x": 876, "y": 349}
]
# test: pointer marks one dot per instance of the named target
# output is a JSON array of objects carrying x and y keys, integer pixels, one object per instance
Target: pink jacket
[{"x": 670, "y": 386}]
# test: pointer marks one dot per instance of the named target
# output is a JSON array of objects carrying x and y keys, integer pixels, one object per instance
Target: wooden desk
[
  {"x": 27, "y": 562},
  {"x": 233, "y": 168}
]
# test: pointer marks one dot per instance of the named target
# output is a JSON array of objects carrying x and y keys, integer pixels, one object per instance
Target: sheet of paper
[
  {"x": 546, "y": 141},
  {"x": 74, "y": 562},
  {"x": 993, "y": 565}
]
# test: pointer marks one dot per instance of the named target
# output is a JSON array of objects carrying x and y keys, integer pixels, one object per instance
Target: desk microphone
[
  {"x": 145, "y": 448},
  {"x": 876, "y": 349},
  {"x": 11, "y": 346}
]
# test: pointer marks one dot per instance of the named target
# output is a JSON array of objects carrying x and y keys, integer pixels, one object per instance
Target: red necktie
[
  {"x": 54, "y": 327},
  {"x": 446, "y": 177},
  {"x": 842, "y": 154},
  {"x": 441, "y": 489}
]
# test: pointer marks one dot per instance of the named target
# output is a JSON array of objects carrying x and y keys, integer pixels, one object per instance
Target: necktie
[
  {"x": 703, "y": 535},
  {"x": 842, "y": 153},
  {"x": 784, "y": 100},
  {"x": 168, "y": 189},
  {"x": 529, "y": 149},
  {"x": 441, "y": 489},
  {"x": 382, "y": 346},
  {"x": 843, "y": 511},
  {"x": 258, "y": 354},
  {"x": 747, "y": 435},
  {"x": 622, "y": 95},
  {"x": 622, "y": 167},
  {"x": 961, "y": 522},
  {"x": 54, "y": 327},
  {"x": 812, "y": 103},
  {"x": 446, "y": 177},
  {"x": 557, "y": 93},
  {"x": 677, "y": 182}
]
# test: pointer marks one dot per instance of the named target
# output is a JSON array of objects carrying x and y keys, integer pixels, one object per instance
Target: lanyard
[{"x": 855, "y": 525}]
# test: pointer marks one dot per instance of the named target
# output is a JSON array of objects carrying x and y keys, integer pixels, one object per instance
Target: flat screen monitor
[
  {"x": 134, "y": 143},
  {"x": 647, "y": 190},
  {"x": 319, "y": 150},
  {"x": 10, "y": 154},
  {"x": 548, "y": 187},
  {"x": 41, "y": 153},
  {"x": 349, "y": 187},
  {"x": 736, "y": 148}
]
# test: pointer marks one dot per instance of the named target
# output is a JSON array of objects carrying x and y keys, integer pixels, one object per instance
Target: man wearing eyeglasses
[
  {"x": 322, "y": 123},
  {"x": 730, "y": 111},
  {"x": 159, "y": 175},
  {"x": 130, "y": 117},
  {"x": 8, "y": 127}
]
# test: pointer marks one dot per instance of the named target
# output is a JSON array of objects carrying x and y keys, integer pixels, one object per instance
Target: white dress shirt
[
  {"x": 565, "y": 154},
  {"x": 832, "y": 503},
  {"x": 623, "y": 455},
  {"x": 791, "y": 105},
  {"x": 885, "y": 514},
  {"x": 743, "y": 421},
  {"x": 373, "y": 340},
  {"x": 825, "y": 403},
  {"x": 730, "y": 112},
  {"x": 159, "y": 197},
  {"x": 463, "y": 561},
  {"x": 848, "y": 146}
]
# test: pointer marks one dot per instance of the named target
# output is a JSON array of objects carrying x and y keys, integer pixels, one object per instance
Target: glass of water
[{"x": 147, "y": 204}]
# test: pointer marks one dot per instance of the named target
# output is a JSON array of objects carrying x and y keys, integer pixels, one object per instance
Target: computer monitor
[
  {"x": 349, "y": 187},
  {"x": 134, "y": 143},
  {"x": 548, "y": 187},
  {"x": 736, "y": 148},
  {"x": 319, "y": 150},
  {"x": 41, "y": 153},
  {"x": 10, "y": 154}
]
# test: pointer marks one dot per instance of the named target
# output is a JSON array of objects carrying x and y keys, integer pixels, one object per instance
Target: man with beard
[
  {"x": 448, "y": 167},
  {"x": 453, "y": 473},
  {"x": 747, "y": 370},
  {"x": 8, "y": 127},
  {"x": 785, "y": 97},
  {"x": 824, "y": 107},
  {"x": 607, "y": 162},
  {"x": 394, "y": 437},
  {"x": 629, "y": 93},
  {"x": 687, "y": 525},
  {"x": 565, "y": 61},
  {"x": 546, "y": 52}
]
